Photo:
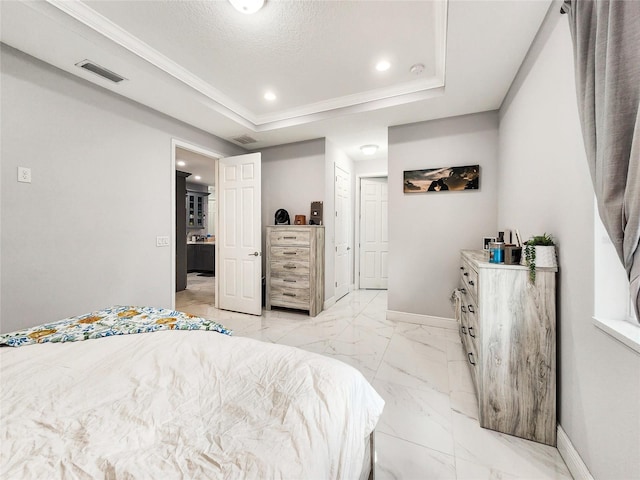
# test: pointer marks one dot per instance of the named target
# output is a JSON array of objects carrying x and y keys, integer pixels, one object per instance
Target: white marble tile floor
[{"x": 429, "y": 427}]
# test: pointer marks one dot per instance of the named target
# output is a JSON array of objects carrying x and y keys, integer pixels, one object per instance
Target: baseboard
[
  {"x": 329, "y": 302},
  {"x": 427, "y": 320},
  {"x": 570, "y": 455}
]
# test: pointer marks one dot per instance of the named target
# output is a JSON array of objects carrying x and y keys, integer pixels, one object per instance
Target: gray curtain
[{"x": 606, "y": 47}]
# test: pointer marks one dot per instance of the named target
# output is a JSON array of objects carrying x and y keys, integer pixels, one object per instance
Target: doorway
[
  {"x": 236, "y": 243},
  {"x": 195, "y": 213}
]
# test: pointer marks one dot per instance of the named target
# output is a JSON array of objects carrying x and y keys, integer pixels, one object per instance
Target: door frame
[
  {"x": 175, "y": 142},
  {"x": 356, "y": 247}
]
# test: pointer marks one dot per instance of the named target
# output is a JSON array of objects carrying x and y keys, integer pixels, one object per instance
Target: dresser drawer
[
  {"x": 289, "y": 297},
  {"x": 469, "y": 279},
  {"x": 286, "y": 280},
  {"x": 290, "y": 236},
  {"x": 292, "y": 267},
  {"x": 290, "y": 253}
]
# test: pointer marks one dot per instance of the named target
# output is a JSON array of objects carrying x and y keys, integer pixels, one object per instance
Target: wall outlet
[
  {"x": 24, "y": 174},
  {"x": 162, "y": 241}
]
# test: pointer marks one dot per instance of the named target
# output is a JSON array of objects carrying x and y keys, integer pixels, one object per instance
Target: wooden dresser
[
  {"x": 295, "y": 267},
  {"x": 508, "y": 330}
]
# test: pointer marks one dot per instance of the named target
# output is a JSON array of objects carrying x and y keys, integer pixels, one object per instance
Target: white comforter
[{"x": 181, "y": 404}]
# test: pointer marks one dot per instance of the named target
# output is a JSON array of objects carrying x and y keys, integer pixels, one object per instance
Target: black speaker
[{"x": 316, "y": 213}]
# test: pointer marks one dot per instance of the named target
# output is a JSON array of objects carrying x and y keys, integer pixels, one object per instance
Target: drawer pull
[
  {"x": 471, "y": 332},
  {"x": 289, "y": 266},
  {"x": 290, "y": 281},
  {"x": 287, "y": 294},
  {"x": 463, "y": 308},
  {"x": 289, "y": 238},
  {"x": 461, "y": 268},
  {"x": 471, "y": 283},
  {"x": 471, "y": 359},
  {"x": 464, "y": 330},
  {"x": 470, "y": 307},
  {"x": 289, "y": 253},
  {"x": 466, "y": 274},
  {"x": 463, "y": 290}
]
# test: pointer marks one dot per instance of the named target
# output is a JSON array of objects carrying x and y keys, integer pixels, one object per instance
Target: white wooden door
[
  {"x": 239, "y": 238},
  {"x": 374, "y": 234},
  {"x": 343, "y": 249}
]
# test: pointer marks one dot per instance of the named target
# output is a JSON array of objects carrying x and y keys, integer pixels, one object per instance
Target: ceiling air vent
[
  {"x": 98, "y": 70},
  {"x": 244, "y": 139}
]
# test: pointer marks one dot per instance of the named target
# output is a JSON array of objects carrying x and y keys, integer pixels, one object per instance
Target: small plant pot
[{"x": 545, "y": 256}]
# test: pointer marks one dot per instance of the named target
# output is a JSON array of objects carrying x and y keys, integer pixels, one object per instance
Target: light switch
[
  {"x": 24, "y": 174},
  {"x": 162, "y": 241}
]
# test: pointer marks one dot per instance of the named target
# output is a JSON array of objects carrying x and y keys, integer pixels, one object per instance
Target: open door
[
  {"x": 343, "y": 218},
  {"x": 240, "y": 234}
]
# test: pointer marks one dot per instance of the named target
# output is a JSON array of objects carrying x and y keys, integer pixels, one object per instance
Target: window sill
[{"x": 622, "y": 331}]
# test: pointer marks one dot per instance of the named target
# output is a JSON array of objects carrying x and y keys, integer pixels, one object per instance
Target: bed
[{"x": 182, "y": 399}]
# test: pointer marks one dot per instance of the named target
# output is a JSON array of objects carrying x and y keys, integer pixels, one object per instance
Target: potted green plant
[{"x": 539, "y": 251}]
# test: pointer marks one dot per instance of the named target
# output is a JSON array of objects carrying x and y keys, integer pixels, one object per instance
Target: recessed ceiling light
[
  {"x": 383, "y": 65},
  {"x": 270, "y": 96},
  {"x": 198, "y": 177},
  {"x": 417, "y": 69},
  {"x": 369, "y": 149},
  {"x": 181, "y": 163},
  {"x": 247, "y": 6}
]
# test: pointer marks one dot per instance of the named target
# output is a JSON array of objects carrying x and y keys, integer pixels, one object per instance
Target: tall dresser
[
  {"x": 295, "y": 267},
  {"x": 508, "y": 331}
]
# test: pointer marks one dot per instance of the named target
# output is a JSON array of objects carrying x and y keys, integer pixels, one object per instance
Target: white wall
[
  {"x": 427, "y": 230},
  {"x": 367, "y": 167},
  {"x": 82, "y": 235},
  {"x": 545, "y": 187}
]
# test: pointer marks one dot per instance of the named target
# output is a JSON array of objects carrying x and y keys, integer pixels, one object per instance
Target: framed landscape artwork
[{"x": 442, "y": 179}]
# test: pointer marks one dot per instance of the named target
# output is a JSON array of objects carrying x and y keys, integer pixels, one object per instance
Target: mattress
[{"x": 181, "y": 404}]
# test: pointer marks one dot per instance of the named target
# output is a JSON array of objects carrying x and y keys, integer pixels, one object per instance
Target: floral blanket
[{"x": 118, "y": 320}]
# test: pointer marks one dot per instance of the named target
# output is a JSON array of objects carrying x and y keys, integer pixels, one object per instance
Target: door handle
[{"x": 254, "y": 254}]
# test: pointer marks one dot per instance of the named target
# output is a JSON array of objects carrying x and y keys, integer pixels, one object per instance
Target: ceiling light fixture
[
  {"x": 383, "y": 66},
  {"x": 181, "y": 163},
  {"x": 270, "y": 96},
  {"x": 198, "y": 177},
  {"x": 369, "y": 149},
  {"x": 247, "y": 6}
]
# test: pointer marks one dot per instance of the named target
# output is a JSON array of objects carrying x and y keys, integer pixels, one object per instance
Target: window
[{"x": 613, "y": 310}]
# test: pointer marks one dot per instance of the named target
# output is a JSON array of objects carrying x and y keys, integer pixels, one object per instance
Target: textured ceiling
[
  {"x": 202, "y": 62},
  {"x": 307, "y": 52}
]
